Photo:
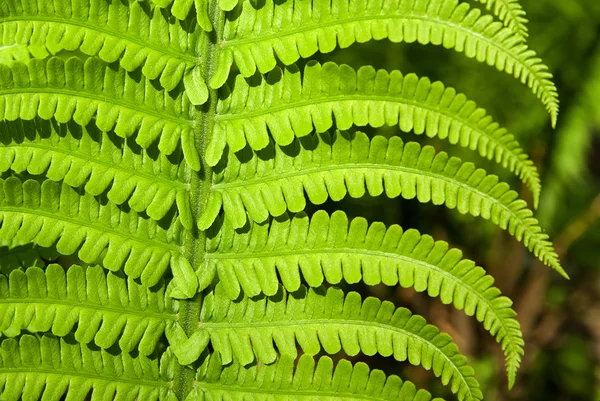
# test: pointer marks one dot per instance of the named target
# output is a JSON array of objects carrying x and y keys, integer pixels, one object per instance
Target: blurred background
[{"x": 560, "y": 319}]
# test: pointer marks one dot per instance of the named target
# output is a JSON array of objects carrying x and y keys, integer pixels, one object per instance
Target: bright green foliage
[
  {"x": 333, "y": 166},
  {"x": 47, "y": 368},
  {"x": 510, "y": 12},
  {"x": 304, "y": 381},
  {"x": 52, "y": 213},
  {"x": 83, "y": 156},
  {"x": 292, "y": 31},
  {"x": 106, "y": 308},
  {"x": 78, "y": 90},
  {"x": 320, "y": 319},
  {"x": 293, "y": 104},
  {"x": 163, "y": 174},
  {"x": 135, "y": 36},
  {"x": 333, "y": 249}
]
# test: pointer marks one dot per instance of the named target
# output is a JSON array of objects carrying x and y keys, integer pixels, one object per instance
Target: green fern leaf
[
  {"x": 79, "y": 91},
  {"x": 48, "y": 368},
  {"x": 325, "y": 166},
  {"x": 304, "y": 380},
  {"x": 114, "y": 31},
  {"x": 79, "y": 156},
  {"x": 320, "y": 319},
  {"x": 290, "y": 106},
  {"x": 297, "y": 29},
  {"x": 510, "y": 12},
  {"x": 126, "y": 143},
  {"x": 54, "y": 214},
  {"x": 332, "y": 249},
  {"x": 106, "y": 308}
]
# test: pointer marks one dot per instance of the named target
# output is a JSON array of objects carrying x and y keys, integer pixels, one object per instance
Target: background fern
[{"x": 176, "y": 153}]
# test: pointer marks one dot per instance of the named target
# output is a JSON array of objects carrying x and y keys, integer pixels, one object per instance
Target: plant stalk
[{"x": 200, "y": 186}]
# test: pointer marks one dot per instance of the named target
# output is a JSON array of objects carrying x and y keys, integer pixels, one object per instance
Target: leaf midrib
[
  {"x": 356, "y": 167},
  {"x": 321, "y": 25},
  {"x": 105, "y": 230},
  {"x": 325, "y": 322},
  {"x": 371, "y": 253},
  {"x": 344, "y": 97},
  {"x": 98, "y": 160},
  {"x": 407, "y": 170},
  {"x": 344, "y": 250},
  {"x": 287, "y": 391},
  {"x": 93, "y": 376},
  {"x": 194, "y": 247},
  {"x": 99, "y": 98},
  {"x": 95, "y": 307}
]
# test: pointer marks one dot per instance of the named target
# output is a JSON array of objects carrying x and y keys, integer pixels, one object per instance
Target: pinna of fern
[
  {"x": 62, "y": 371},
  {"x": 142, "y": 320},
  {"x": 129, "y": 139}
]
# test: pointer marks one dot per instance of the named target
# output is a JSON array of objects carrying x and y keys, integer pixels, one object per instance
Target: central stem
[{"x": 200, "y": 183}]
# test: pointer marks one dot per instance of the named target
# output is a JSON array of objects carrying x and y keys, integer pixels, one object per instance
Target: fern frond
[
  {"x": 305, "y": 380},
  {"x": 105, "y": 307},
  {"x": 510, "y": 12},
  {"x": 133, "y": 35},
  {"x": 297, "y": 29},
  {"x": 50, "y": 214},
  {"x": 328, "y": 320},
  {"x": 84, "y": 157},
  {"x": 81, "y": 90},
  {"x": 333, "y": 249},
  {"x": 24, "y": 256},
  {"x": 325, "y": 166},
  {"x": 48, "y": 368},
  {"x": 290, "y": 106}
]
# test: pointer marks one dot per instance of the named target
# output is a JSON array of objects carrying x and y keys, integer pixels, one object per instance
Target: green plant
[{"x": 130, "y": 140}]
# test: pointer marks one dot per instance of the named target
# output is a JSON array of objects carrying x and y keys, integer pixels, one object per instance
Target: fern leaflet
[
  {"x": 78, "y": 90},
  {"x": 319, "y": 319},
  {"x": 510, "y": 12},
  {"x": 332, "y": 249},
  {"x": 290, "y": 106},
  {"x": 148, "y": 181},
  {"x": 306, "y": 380},
  {"x": 52, "y": 213},
  {"x": 327, "y": 166},
  {"x": 49, "y": 368},
  {"x": 131, "y": 34},
  {"x": 106, "y": 309},
  {"x": 294, "y": 29}
]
